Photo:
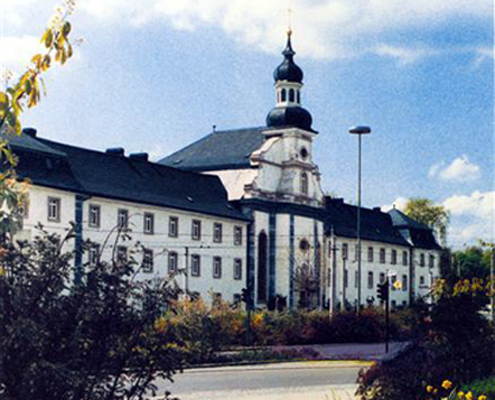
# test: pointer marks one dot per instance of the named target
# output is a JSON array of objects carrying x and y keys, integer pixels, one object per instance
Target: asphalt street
[{"x": 325, "y": 380}]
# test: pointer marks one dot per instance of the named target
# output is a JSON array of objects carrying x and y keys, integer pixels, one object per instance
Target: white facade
[{"x": 227, "y": 250}]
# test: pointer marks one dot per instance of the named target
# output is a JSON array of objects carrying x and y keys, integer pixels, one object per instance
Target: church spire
[{"x": 288, "y": 85}]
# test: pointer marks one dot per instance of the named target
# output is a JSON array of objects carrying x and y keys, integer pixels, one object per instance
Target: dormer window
[{"x": 304, "y": 183}]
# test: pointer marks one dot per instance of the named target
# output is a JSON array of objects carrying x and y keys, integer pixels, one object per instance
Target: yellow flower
[
  {"x": 446, "y": 384},
  {"x": 469, "y": 396},
  {"x": 482, "y": 397},
  {"x": 460, "y": 395},
  {"x": 429, "y": 388}
]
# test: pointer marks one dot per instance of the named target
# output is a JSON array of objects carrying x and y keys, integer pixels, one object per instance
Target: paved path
[
  {"x": 345, "y": 351},
  {"x": 317, "y": 380}
]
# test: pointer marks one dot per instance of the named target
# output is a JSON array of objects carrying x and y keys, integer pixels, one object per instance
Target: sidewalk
[
  {"x": 339, "y": 351},
  {"x": 344, "y": 351}
]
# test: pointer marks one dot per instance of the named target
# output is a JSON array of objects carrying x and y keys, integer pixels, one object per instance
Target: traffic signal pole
[{"x": 387, "y": 310}]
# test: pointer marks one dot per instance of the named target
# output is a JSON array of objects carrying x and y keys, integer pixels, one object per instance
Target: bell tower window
[
  {"x": 284, "y": 95},
  {"x": 298, "y": 96},
  {"x": 304, "y": 183},
  {"x": 291, "y": 95}
]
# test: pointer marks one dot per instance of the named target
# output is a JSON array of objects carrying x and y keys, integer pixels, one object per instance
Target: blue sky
[{"x": 155, "y": 75}]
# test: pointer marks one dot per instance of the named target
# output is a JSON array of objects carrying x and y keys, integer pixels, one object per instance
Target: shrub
[
  {"x": 455, "y": 343},
  {"x": 99, "y": 338}
]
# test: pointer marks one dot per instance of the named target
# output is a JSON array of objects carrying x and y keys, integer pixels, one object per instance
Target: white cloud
[
  {"x": 460, "y": 170},
  {"x": 473, "y": 217},
  {"x": 325, "y": 28}
]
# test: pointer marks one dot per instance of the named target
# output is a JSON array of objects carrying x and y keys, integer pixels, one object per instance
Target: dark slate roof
[
  {"x": 219, "y": 150},
  {"x": 95, "y": 173},
  {"x": 401, "y": 220},
  {"x": 375, "y": 225},
  {"x": 43, "y": 165},
  {"x": 28, "y": 143},
  {"x": 290, "y": 116},
  {"x": 418, "y": 234}
]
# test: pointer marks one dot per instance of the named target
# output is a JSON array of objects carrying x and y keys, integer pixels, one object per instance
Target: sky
[{"x": 156, "y": 75}]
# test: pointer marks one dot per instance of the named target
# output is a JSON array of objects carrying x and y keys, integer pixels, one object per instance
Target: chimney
[
  {"x": 116, "y": 151},
  {"x": 30, "y": 132},
  {"x": 139, "y": 156}
]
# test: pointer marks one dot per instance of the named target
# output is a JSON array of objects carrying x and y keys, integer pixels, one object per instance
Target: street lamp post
[{"x": 359, "y": 130}]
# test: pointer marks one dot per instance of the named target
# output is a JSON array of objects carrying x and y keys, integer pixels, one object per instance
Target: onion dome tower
[{"x": 288, "y": 84}]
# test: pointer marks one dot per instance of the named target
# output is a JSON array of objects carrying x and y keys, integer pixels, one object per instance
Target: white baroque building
[{"x": 237, "y": 209}]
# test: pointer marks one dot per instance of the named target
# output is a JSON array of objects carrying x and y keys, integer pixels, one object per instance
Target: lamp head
[{"x": 360, "y": 130}]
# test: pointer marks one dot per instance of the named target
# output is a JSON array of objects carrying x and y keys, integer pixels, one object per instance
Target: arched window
[
  {"x": 284, "y": 95},
  {"x": 291, "y": 95},
  {"x": 262, "y": 267},
  {"x": 304, "y": 183},
  {"x": 298, "y": 96}
]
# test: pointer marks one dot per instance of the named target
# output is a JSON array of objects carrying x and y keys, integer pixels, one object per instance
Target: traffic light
[{"x": 382, "y": 291}]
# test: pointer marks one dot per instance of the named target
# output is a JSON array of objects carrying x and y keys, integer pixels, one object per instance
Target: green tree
[
  {"x": 427, "y": 212},
  {"x": 98, "y": 339},
  {"x": 473, "y": 262}
]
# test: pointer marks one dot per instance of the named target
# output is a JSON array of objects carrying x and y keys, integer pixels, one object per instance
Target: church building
[{"x": 237, "y": 209}]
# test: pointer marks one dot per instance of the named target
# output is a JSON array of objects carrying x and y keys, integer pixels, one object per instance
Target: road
[{"x": 320, "y": 380}]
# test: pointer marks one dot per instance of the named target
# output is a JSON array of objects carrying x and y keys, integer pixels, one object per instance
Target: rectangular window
[
  {"x": 404, "y": 283},
  {"x": 217, "y": 267},
  {"x": 93, "y": 253},
  {"x": 196, "y": 229},
  {"x": 382, "y": 277},
  {"x": 404, "y": 258},
  {"x": 94, "y": 216},
  {"x": 237, "y": 269},
  {"x": 237, "y": 299},
  {"x": 173, "y": 227},
  {"x": 421, "y": 260},
  {"x": 195, "y": 265},
  {"x": 149, "y": 223},
  {"x": 345, "y": 251},
  {"x": 147, "y": 260},
  {"x": 237, "y": 235},
  {"x": 382, "y": 256},
  {"x": 370, "y": 280},
  {"x": 370, "y": 254},
  {"x": 121, "y": 254},
  {"x": 123, "y": 218},
  {"x": 54, "y": 204},
  {"x": 217, "y": 232},
  {"x": 172, "y": 262},
  {"x": 431, "y": 261},
  {"x": 394, "y": 257},
  {"x": 421, "y": 280}
]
